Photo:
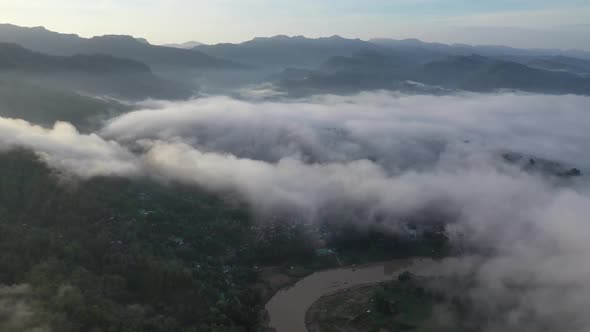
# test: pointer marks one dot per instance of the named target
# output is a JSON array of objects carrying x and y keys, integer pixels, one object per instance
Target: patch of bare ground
[{"x": 342, "y": 311}]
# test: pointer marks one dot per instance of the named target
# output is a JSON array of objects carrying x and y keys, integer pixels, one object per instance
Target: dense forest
[
  {"x": 121, "y": 255},
  {"x": 112, "y": 254}
]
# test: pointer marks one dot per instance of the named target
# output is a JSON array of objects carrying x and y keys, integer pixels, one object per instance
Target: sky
[{"x": 524, "y": 23}]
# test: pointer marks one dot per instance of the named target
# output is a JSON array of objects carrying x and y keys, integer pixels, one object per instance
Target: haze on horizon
[
  {"x": 149, "y": 188},
  {"x": 527, "y": 23}
]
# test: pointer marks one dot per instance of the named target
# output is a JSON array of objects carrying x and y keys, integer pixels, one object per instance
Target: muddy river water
[{"x": 288, "y": 307}]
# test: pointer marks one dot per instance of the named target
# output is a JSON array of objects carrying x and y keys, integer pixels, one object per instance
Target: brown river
[{"x": 288, "y": 307}]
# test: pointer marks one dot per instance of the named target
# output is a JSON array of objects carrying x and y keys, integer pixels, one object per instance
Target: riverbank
[
  {"x": 342, "y": 311},
  {"x": 288, "y": 307}
]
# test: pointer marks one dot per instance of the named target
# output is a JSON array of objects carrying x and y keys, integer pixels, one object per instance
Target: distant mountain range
[
  {"x": 304, "y": 52},
  {"x": 553, "y": 62},
  {"x": 43, "y": 88},
  {"x": 479, "y": 73},
  {"x": 186, "y": 45},
  {"x": 42, "y": 40},
  {"x": 16, "y": 57},
  {"x": 121, "y": 66},
  {"x": 340, "y": 65},
  {"x": 92, "y": 74},
  {"x": 373, "y": 71},
  {"x": 485, "y": 50},
  {"x": 280, "y": 51}
]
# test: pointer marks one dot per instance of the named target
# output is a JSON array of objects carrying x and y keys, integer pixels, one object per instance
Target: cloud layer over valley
[{"x": 381, "y": 158}]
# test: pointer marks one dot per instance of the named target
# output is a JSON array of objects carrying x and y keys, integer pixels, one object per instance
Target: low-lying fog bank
[{"x": 381, "y": 158}]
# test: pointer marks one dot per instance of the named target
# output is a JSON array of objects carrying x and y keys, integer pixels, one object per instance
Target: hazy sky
[{"x": 531, "y": 23}]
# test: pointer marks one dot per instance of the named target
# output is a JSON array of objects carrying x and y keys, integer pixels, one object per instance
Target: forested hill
[
  {"x": 91, "y": 74},
  {"x": 16, "y": 57},
  {"x": 112, "y": 254},
  {"x": 119, "y": 255}
]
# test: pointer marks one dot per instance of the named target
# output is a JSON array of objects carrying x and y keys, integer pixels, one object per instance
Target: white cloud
[
  {"x": 386, "y": 157},
  {"x": 64, "y": 148}
]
